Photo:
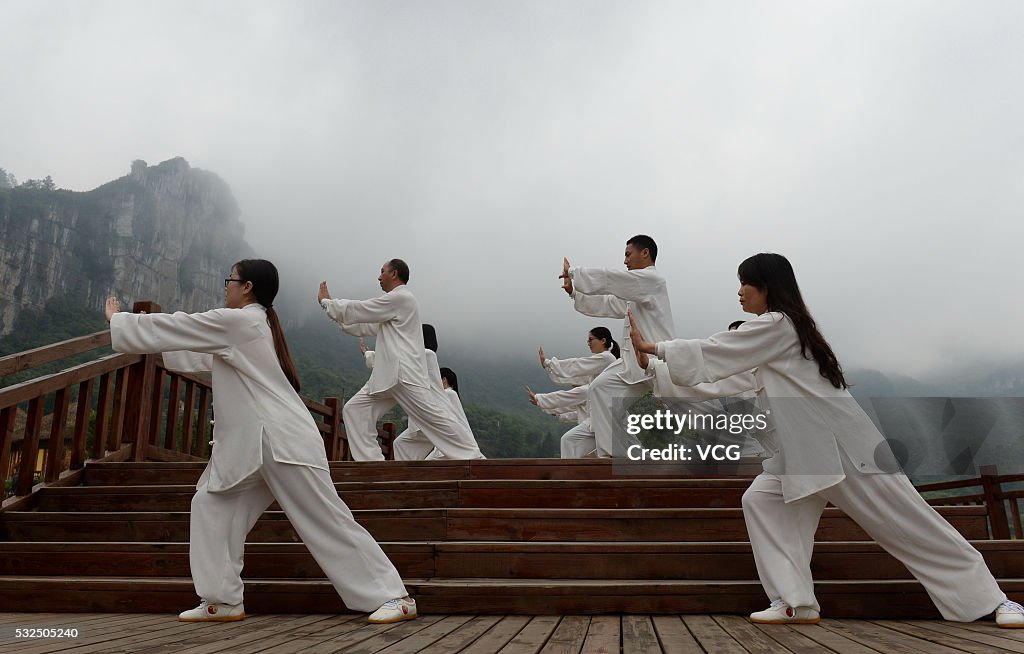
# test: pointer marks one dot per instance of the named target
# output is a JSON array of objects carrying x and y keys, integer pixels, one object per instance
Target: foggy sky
[{"x": 876, "y": 144}]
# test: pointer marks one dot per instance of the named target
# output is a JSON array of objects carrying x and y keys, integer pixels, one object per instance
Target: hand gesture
[
  {"x": 112, "y": 307},
  {"x": 640, "y": 346},
  {"x": 566, "y": 280},
  {"x": 324, "y": 294},
  {"x": 540, "y": 353},
  {"x": 362, "y": 346},
  {"x": 533, "y": 396}
]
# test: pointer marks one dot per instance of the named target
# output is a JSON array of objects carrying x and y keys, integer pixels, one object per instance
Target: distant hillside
[{"x": 166, "y": 232}]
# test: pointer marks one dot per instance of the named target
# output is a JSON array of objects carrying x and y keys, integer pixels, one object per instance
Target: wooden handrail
[
  {"x": 26, "y": 390},
  {"x": 20, "y": 361}
]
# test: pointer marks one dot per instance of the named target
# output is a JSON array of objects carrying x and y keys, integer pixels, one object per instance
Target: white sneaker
[
  {"x": 395, "y": 610},
  {"x": 213, "y": 612},
  {"x": 1010, "y": 615},
  {"x": 781, "y": 613}
]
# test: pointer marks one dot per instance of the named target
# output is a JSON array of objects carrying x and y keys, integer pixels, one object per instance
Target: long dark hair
[
  {"x": 602, "y": 334},
  {"x": 265, "y": 283},
  {"x": 429, "y": 337},
  {"x": 453, "y": 379},
  {"x": 773, "y": 273}
]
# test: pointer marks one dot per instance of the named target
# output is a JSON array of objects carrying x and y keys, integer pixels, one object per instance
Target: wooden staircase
[{"x": 499, "y": 536}]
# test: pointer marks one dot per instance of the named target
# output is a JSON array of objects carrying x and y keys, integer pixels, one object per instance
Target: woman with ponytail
[
  {"x": 824, "y": 449},
  {"x": 580, "y": 441},
  {"x": 266, "y": 447}
]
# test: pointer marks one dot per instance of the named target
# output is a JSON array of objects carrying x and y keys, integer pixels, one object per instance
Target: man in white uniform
[
  {"x": 399, "y": 370},
  {"x": 605, "y": 293}
]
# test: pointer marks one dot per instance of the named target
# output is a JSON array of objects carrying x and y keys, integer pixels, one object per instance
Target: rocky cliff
[{"x": 167, "y": 233}]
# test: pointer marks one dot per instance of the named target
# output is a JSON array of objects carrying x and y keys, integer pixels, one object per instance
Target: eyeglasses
[{"x": 229, "y": 280}]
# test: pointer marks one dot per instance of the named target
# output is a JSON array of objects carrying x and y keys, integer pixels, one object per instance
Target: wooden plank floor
[{"x": 449, "y": 634}]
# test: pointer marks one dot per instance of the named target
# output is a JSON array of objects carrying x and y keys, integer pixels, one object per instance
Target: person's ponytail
[
  {"x": 284, "y": 356},
  {"x": 265, "y": 283}
]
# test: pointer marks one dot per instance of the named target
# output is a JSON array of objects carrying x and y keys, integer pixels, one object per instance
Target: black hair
[
  {"x": 641, "y": 241},
  {"x": 401, "y": 268},
  {"x": 429, "y": 337},
  {"x": 453, "y": 379},
  {"x": 603, "y": 334},
  {"x": 265, "y": 283},
  {"x": 773, "y": 273},
  {"x": 736, "y": 324}
]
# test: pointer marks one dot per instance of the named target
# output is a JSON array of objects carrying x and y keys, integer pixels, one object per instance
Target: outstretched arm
[{"x": 349, "y": 312}]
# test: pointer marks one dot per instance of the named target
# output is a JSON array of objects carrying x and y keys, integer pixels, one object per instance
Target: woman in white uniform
[
  {"x": 450, "y": 384},
  {"x": 825, "y": 449},
  {"x": 579, "y": 441},
  {"x": 266, "y": 447}
]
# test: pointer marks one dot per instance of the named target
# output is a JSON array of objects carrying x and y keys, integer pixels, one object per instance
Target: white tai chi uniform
[
  {"x": 399, "y": 375},
  {"x": 460, "y": 413},
  {"x": 579, "y": 441},
  {"x": 826, "y": 449},
  {"x": 266, "y": 446},
  {"x": 606, "y": 293},
  {"x": 412, "y": 444}
]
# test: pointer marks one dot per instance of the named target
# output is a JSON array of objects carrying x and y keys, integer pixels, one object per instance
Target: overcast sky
[{"x": 876, "y": 144}]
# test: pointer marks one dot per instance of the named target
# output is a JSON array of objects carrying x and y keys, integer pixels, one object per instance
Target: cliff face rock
[{"x": 167, "y": 233}]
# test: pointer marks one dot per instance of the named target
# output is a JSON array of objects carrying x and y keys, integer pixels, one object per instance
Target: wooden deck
[{"x": 513, "y": 634}]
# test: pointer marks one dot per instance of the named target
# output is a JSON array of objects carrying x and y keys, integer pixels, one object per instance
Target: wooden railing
[
  {"x": 1002, "y": 506},
  {"x": 128, "y": 405}
]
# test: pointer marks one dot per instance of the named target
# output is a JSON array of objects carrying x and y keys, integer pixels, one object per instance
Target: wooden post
[
  {"x": 171, "y": 428},
  {"x": 138, "y": 409},
  {"x": 81, "y": 424},
  {"x": 203, "y": 422},
  {"x": 120, "y": 406},
  {"x": 188, "y": 418},
  {"x": 30, "y": 446},
  {"x": 994, "y": 503},
  {"x": 6, "y": 437},
  {"x": 334, "y": 423},
  {"x": 387, "y": 440},
  {"x": 55, "y": 446}
]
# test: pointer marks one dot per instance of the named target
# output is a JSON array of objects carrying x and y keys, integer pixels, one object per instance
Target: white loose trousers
[
  {"x": 578, "y": 442},
  {"x": 607, "y": 393},
  {"x": 427, "y": 406},
  {"x": 345, "y": 551},
  {"x": 893, "y": 513}
]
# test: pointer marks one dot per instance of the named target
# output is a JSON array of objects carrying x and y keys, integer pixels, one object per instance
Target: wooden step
[
  {"x": 686, "y": 525},
  {"x": 653, "y": 561},
  {"x": 135, "y": 474},
  {"x": 561, "y": 493},
  {"x": 888, "y": 599}
]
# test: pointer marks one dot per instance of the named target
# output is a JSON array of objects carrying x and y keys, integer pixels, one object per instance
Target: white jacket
[
  {"x": 812, "y": 419},
  {"x": 251, "y": 395},
  {"x": 604, "y": 293},
  {"x": 579, "y": 370},
  {"x": 399, "y": 347}
]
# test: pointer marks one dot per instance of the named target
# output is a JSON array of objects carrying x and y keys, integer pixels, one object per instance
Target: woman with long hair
[
  {"x": 825, "y": 449},
  {"x": 266, "y": 447},
  {"x": 580, "y": 441}
]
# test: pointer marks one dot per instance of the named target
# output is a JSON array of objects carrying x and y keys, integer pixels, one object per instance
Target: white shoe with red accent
[
  {"x": 213, "y": 612},
  {"x": 781, "y": 613},
  {"x": 395, "y": 610},
  {"x": 1010, "y": 615}
]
